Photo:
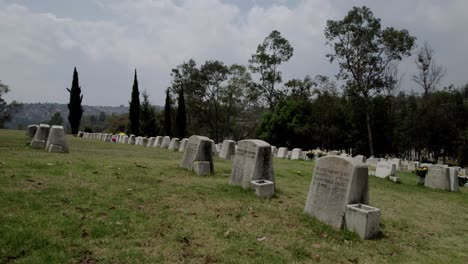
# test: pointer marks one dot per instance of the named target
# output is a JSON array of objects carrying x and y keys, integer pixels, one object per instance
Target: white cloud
[{"x": 156, "y": 35}]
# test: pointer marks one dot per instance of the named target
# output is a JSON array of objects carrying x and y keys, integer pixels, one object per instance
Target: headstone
[
  {"x": 438, "y": 177},
  {"x": 144, "y": 141},
  {"x": 31, "y": 132},
  {"x": 183, "y": 144},
  {"x": 413, "y": 165},
  {"x": 202, "y": 168},
  {"x": 253, "y": 161},
  {"x": 198, "y": 148},
  {"x": 274, "y": 151},
  {"x": 397, "y": 163},
  {"x": 165, "y": 142},
  {"x": 40, "y": 138},
  {"x": 138, "y": 140},
  {"x": 440, "y": 161},
  {"x": 150, "y": 142},
  {"x": 282, "y": 153},
  {"x": 337, "y": 182},
  {"x": 125, "y": 139},
  {"x": 454, "y": 181},
  {"x": 360, "y": 158},
  {"x": 213, "y": 148},
  {"x": 174, "y": 145},
  {"x": 158, "y": 141},
  {"x": 56, "y": 141},
  {"x": 228, "y": 150},
  {"x": 289, "y": 154},
  {"x": 385, "y": 169},
  {"x": 333, "y": 153},
  {"x": 296, "y": 154},
  {"x": 131, "y": 140}
]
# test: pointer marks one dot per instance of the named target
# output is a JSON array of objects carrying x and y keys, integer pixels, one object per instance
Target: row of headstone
[{"x": 52, "y": 139}]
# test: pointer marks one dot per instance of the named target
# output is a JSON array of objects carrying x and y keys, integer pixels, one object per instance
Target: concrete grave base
[
  {"x": 263, "y": 188},
  {"x": 202, "y": 168},
  {"x": 363, "y": 220},
  {"x": 394, "y": 179},
  {"x": 55, "y": 149}
]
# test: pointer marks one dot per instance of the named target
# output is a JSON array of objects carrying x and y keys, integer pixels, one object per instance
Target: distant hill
[{"x": 35, "y": 113}]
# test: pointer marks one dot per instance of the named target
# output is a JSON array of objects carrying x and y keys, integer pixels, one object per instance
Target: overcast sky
[{"x": 42, "y": 40}]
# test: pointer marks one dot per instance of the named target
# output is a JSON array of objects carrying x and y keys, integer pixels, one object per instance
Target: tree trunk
[{"x": 369, "y": 133}]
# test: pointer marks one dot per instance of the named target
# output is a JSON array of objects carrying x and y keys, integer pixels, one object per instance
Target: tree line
[{"x": 362, "y": 108}]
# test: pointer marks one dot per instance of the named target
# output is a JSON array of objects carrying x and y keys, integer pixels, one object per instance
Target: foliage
[
  {"x": 88, "y": 129},
  {"x": 74, "y": 106},
  {"x": 429, "y": 73},
  {"x": 56, "y": 119},
  {"x": 181, "y": 117},
  {"x": 364, "y": 51},
  {"x": 463, "y": 150},
  {"x": 167, "y": 128},
  {"x": 148, "y": 124},
  {"x": 421, "y": 172},
  {"x": 4, "y": 110},
  {"x": 134, "y": 111},
  {"x": 269, "y": 56}
]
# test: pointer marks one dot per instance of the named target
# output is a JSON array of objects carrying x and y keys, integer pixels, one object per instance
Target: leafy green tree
[
  {"x": 148, "y": 125},
  {"x": 181, "y": 117},
  {"x": 74, "y": 106},
  {"x": 168, "y": 114},
  {"x": 4, "y": 113},
  {"x": 186, "y": 76},
  {"x": 363, "y": 51},
  {"x": 269, "y": 56},
  {"x": 56, "y": 119},
  {"x": 213, "y": 74},
  {"x": 134, "y": 111}
]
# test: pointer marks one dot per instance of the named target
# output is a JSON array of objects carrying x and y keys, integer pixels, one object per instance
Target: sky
[{"x": 43, "y": 40}]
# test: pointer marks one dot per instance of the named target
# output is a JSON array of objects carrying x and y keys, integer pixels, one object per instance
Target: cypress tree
[
  {"x": 75, "y": 110},
  {"x": 148, "y": 124},
  {"x": 134, "y": 111},
  {"x": 167, "y": 115},
  {"x": 181, "y": 117}
]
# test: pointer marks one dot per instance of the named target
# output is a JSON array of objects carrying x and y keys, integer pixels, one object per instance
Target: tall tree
[
  {"x": 134, "y": 111},
  {"x": 214, "y": 73},
  {"x": 270, "y": 54},
  {"x": 4, "y": 111},
  {"x": 56, "y": 119},
  {"x": 429, "y": 73},
  {"x": 74, "y": 106},
  {"x": 364, "y": 50},
  {"x": 148, "y": 124},
  {"x": 168, "y": 114},
  {"x": 181, "y": 117}
]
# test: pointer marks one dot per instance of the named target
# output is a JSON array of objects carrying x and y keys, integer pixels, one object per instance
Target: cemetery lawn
[{"x": 115, "y": 203}]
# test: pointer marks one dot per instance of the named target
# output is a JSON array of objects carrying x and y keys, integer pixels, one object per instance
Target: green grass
[{"x": 115, "y": 203}]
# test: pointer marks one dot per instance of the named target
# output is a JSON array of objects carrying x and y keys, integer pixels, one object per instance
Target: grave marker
[{"x": 337, "y": 182}]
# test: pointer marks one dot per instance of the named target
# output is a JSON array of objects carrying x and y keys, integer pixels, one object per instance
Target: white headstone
[
  {"x": 31, "y": 132},
  {"x": 296, "y": 154},
  {"x": 165, "y": 142},
  {"x": 228, "y": 150},
  {"x": 438, "y": 177},
  {"x": 40, "y": 138},
  {"x": 151, "y": 141},
  {"x": 131, "y": 140},
  {"x": 454, "y": 181},
  {"x": 56, "y": 141},
  {"x": 253, "y": 161},
  {"x": 397, "y": 163},
  {"x": 337, "y": 182},
  {"x": 183, "y": 144},
  {"x": 158, "y": 141},
  {"x": 282, "y": 153},
  {"x": 174, "y": 145},
  {"x": 360, "y": 158},
  {"x": 385, "y": 169},
  {"x": 198, "y": 148},
  {"x": 413, "y": 165}
]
